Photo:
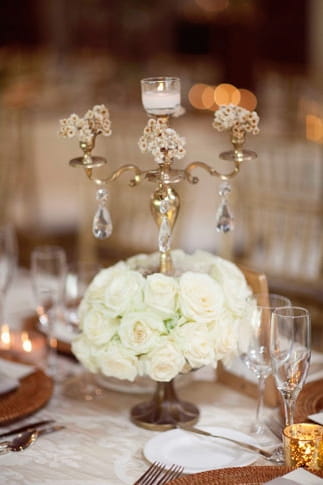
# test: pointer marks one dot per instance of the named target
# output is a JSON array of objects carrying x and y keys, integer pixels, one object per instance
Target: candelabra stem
[{"x": 165, "y": 196}]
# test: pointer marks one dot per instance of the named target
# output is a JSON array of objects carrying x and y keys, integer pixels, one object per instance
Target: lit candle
[
  {"x": 5, "y": 338},
  {"x": 161, "y": 95},
  {"x": 303, "y": 445},
  {"x": 29, "y": 347}
]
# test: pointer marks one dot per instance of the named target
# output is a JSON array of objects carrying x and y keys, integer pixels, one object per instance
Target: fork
[{"x": 157, "y": 474}]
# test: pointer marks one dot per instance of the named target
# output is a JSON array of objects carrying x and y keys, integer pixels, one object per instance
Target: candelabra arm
[
  {"x": 212, "y": 171},
  {"x": 116, "y": 174}
]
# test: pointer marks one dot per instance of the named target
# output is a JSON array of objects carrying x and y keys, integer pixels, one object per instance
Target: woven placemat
[
  {"x": 33, "y": 393},
  {"x": 247, "y": 475},
  {"x": 309, "y": 401}
]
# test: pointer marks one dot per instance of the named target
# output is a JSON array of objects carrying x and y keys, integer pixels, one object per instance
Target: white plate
[{"x": 199, "y": 453}]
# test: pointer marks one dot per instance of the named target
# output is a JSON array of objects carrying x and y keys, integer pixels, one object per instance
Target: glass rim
[
  {"x": 268, "y": 295},
  {"x": 287, "y": 431},
  {"x": 300, "y": 311},
  {"x": 151, "y": 80},
  {"x": 47, "y": 249}
]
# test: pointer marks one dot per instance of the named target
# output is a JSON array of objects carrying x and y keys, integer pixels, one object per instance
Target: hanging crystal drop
[
  {"x": 164, "y": 235},
  {"x": 224, "y": 218},
  {"x": 102, "y": 224},
  {"x": 165, "y": 231}
]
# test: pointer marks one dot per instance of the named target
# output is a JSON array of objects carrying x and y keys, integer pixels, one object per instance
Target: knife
[
  {"x": 193, "y": 429},
  {"x": 26, "y": 427}
]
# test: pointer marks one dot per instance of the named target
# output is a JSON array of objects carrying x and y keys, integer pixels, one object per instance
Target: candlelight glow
[
  {"x": 226, "y": 94},
  {"x": 26, "y": 342},
  {"x": 5, "y": 336},
  {"x": 248, "y": 100},
  {"x": 314, "y": 128},
  {"x": 160, "y": 87}
]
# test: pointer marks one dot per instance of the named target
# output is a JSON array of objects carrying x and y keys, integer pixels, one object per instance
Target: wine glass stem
[
  {"x": 2, "y": 304},
  {"x": 260, "y": 404},
  {"x": 289, "y": 406}
]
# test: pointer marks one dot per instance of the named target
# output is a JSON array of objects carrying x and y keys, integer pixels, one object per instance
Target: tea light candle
[
  {"x": 303, "y": 445},
  {"x": 160, "y": 95}
]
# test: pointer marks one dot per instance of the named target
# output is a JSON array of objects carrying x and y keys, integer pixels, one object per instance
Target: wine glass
[
  {"x": 254, "y": 348},
  {"x": 79, "y": 276},
  {"x": 8, "y": 262},
  {"x": 290, "y": 354},
  {"x": 48, "y": 273}
]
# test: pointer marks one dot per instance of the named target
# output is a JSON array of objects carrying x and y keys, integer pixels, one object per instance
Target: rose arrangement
[{"x": 158, "y": 325}]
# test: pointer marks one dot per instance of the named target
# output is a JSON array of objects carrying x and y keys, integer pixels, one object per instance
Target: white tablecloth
[{"x": 100, "y": 445}]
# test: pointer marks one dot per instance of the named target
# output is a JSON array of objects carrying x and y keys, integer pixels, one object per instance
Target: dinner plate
[{"x": 198, "y": 453}]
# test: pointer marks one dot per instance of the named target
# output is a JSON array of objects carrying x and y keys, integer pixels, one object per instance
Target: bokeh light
[
  {"x": 314, "y": 128},
  {"x": 195, "y": 95},
  {"x": 248, "y": 100},
  {"x": 226, "y": 94}
]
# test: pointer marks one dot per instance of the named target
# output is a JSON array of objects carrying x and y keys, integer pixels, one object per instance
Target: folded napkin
[
  {"x": 297, "y": 477},
  {"x": 10, "y": 373},
  {"x": 318, "y": 417}
]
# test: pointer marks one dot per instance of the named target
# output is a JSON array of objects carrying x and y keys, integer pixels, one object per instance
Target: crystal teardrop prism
[
  {"x": 165, "y": 233},
  {"x": 102, "y": 224},
  {"x": 224, "y": 218}
]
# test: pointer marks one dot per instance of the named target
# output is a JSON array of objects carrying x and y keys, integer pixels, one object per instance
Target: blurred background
[{"x": 63, "y": 56}]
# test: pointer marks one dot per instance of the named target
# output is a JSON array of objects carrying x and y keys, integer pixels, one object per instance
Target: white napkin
[
  {"x": 10, "y": 373},
  {"x": 318, "y": 417},
  {"x": 297, "y": 477}
]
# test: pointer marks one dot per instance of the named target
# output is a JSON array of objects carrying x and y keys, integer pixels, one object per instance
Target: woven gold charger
[
  {"x": 33, "y": 393},
  {"x": 247, "y": 475},
  {"x": 309, "y": 401}
]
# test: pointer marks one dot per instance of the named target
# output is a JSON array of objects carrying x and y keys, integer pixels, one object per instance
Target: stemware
[
  {"x": 290, "y": 354},
  {"x": 48, "y": 273},
  {"x": 79, "y": 276},
  {"x": 254, "y": 351},
  {"x": 8, "y": 261}
]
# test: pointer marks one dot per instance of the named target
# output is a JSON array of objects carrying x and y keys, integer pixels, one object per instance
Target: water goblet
[
  {"x": 8, "y": 262},
  {"x": 48, "y": 273},
  {"x": 79, "y": 276},
  {"x": 255, "y": 352},
  {"x": 290, "y": 351}
]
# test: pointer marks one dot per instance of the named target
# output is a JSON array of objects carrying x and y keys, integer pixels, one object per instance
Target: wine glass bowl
[
  {"x": 8, "y": 262},
  {"x": 290, "y": 350},
  {"x": 254, "y": 348}
]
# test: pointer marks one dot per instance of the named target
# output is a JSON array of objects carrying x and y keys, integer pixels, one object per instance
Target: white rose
[
  {"x": 95, "y": 291},
  {"x": 200, "y": 297},
  {"x": 84, "y": 352},
  {"x": 124, "y": 292},
  {"x": 233, "y": 283},
  {"x": 160, "y": 293},
  {"x": 140, "y": 331},
  {"x": 225, "y": 340},
  {"x": 98, "y": 327},
  {"x": 194, "y": 341},
  {"x": 142, "y": 262},
  {"x": 163, "y": 363},
  {"x": 114, "y": 360}
]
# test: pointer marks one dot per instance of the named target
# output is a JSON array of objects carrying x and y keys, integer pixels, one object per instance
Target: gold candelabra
[{"x": 161, "y": 100}]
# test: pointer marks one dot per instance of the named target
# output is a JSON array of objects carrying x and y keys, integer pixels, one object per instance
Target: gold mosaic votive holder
[{"x": 303, "y": 446}]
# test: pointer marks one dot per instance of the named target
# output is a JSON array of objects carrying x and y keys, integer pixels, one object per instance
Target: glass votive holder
[
  {"x": 303, "y": 446},
  {"x": 161, "y": 95}
]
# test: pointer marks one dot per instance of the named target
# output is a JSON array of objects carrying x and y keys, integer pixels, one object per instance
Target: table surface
[{"x": 100, "y": 445}]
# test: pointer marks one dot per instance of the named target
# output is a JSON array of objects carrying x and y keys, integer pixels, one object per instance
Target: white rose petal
[
  {"x": 114, "y": 360},
  {"x": 84, "y": 352},
  {"x": 194, "y": 341},
  {"x": 163, "y": 363},
  {"x": 99, "y": 328},
  {"x": 200, "y": 297},
  {"x": 140, "y": 331},
  {"x": 160, "y": 293},
  {"x": 124, "y": 292}
]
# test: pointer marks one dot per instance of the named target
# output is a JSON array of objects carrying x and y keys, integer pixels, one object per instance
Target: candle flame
[
  {"x": 26, "y": 342},
  {"x": 5, "y": 335},
  {"x": 160, "y": 87}
]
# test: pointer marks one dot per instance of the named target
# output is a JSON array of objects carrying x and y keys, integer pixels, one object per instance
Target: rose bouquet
[{"x": 136, "y": 322}]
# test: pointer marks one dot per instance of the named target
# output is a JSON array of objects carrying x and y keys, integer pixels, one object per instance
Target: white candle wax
[{"x": 162, "y": 102}]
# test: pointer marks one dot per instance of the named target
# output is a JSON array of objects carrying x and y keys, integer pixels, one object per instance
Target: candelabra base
[{"x": 164, "y": 410}]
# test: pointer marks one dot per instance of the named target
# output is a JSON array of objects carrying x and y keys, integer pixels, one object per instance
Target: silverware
[
  {"x": 26, "y": 427},
  {"x": 193, "y": 429},
  {"x": 24, "y": 440},
  {"x": 157, "y": 474}
]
